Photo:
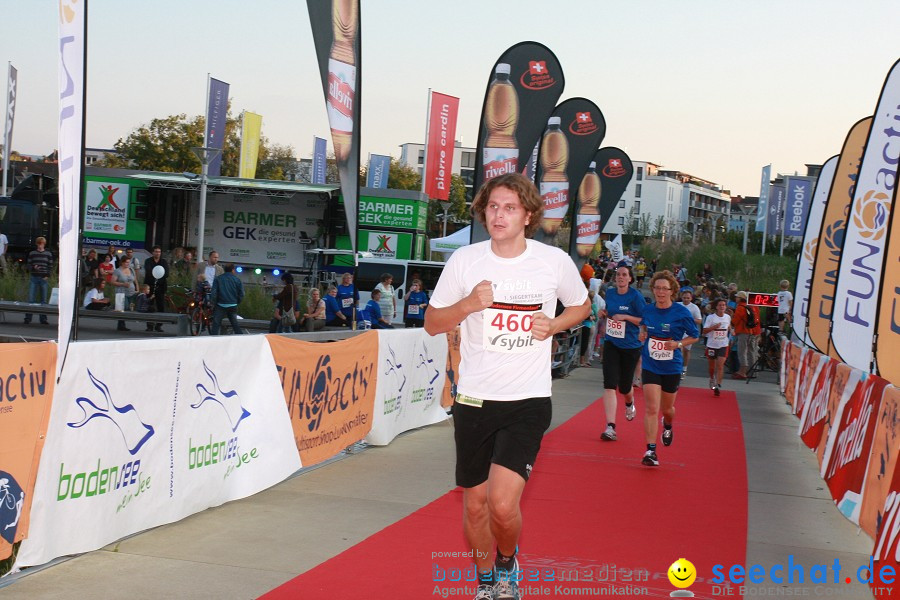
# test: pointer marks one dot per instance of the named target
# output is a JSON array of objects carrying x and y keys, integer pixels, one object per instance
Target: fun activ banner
[
  {"x": 251, "y": 130},
  {"x": 615, "y": 171},
  {"x": 831, "y": 237},
  {"x": 180, "y": 430},
  {"x": 336, "y": 34},
  {"x": 72, "y": 80},
  {"x": 411, "y": 373},
  {"x": 329, "y": 390},
  {"x": 568, "y": 145},
  {"x": 27, "y": 373},
  {"x": 807, "y": 255},
  {"x": 523, "y": 87},
  {"x": 862, "y": 259},
  {"x": 216, "y": 115},
  {"x": 439, "y": 145}
]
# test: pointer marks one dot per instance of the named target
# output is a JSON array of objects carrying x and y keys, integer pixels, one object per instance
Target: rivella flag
[
  {"x": 72, "y": 78},
  {"x": 440, "y": 145},
  {"x": 808, "y": 251},
  {"x": 216, "y": 115},
  {"x": 336, "y": 34},
  {"x": 762, "y": 207},
  {"x": 615, "y": 171},
  {"x": 862, "y": 260},
  {"x": 827, "y": 255},
  {"x": 251, "y": 129},
  {"x": 523, "y": 87},
  {"x": 573, "y": 134}
]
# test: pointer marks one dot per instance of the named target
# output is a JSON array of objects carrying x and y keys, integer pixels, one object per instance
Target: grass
[{"x": 751, "y": 272}]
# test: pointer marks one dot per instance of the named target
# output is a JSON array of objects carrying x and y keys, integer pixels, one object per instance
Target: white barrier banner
[
  {"x": 411, "y": 371},
  {"x": 147, "y": 432}
]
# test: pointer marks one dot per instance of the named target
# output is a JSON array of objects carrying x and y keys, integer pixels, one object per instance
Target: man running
[{"x": 503, "y": 293}]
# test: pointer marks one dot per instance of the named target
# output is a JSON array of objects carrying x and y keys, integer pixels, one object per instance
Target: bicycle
[{"x": 201, "y": 314}]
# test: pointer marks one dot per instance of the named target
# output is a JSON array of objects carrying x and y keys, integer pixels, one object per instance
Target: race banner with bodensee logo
[
  {"x": 440, "y": 145},
  {"x": 831, "y": 237},
  {"x": 336, "y": 34},
  {"x": 615, "y": 171},
  {"x": 106, "y": 207},
  {"x": 187, "y": 425},
  {"x": 523, "y": 87},
  {"x": 454, "y": 339},
  {"x": 329, "y": 390},
  {"x": 863, "y": 257},
  {"x": 411, "y": 373},
  {"x": 850, "y": 443},
  {"x": 882, "y": 461},
  {"x": 572, "y": 136},
  {"x": 27, "y": 376},
  {"x": 807, "y": 255}
]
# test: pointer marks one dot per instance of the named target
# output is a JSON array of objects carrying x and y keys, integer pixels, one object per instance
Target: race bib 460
[{"x": 507, "y": 327}]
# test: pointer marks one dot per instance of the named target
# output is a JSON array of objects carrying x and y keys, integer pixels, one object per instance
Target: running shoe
[
  {"x": 636, "y": 382},
  {"x": 484, "y": 592},
  {"x": 712, "y": 383},
  {"x": 716, "y": 390},
  {"x": 629, "y": 412},
  {"x": 507, "y": 586},
  {"x": 683, "y": 374},
  {"x": 667, "y": 437},
  {"x": 650, "y": 459},
  {"x": 609, "y": 435}
]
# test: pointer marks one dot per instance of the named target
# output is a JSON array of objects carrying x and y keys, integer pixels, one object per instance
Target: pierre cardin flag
[
  {"x": 523, "y": 88},
  {"x": 336, "y": 34},
  {"x": 440, "y": 145}
]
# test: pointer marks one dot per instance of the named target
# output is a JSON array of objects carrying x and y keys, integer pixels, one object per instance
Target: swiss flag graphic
[
  {"x": 583, "y": 117},
  {"x": 537, "y": 67}
]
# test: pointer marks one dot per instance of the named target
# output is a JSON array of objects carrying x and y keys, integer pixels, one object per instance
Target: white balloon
[{"x": 158, "y": 272}]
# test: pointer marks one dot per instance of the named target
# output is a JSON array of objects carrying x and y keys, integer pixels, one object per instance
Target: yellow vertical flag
[{"x": 251, "y": 126}]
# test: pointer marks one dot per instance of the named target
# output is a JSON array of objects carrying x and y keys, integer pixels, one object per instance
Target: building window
[
  {"x": 637, "y": 190},
  {"x": 467, "y": 160},
  {"x": 421, "y": 157},
  {"x": 621, "y": 220},
  {"x": 637, "y": 206},
  {"x": 640, "y": 174},
  {"x": 621, "y": 204}
]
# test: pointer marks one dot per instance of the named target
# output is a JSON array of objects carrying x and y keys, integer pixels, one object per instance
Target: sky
[{"x": 713, "y": 88}]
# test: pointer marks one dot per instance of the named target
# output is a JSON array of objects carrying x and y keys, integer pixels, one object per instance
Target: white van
[{"x": 370, "y": 270}]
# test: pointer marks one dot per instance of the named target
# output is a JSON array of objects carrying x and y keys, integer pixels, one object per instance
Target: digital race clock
[{"x": 761, "y": 299}]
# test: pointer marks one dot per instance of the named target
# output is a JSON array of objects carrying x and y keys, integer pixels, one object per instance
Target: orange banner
[
  {"x": 329, "y": 389},
  {"x": 453, "y": 358},
  {"x": 794, "y": 356},
  {"x": 831, "y": 238},
  {"x": 882, "y": 461},
  {"x": 27, "y": 377},
  {"x": 887, "y": 349}
]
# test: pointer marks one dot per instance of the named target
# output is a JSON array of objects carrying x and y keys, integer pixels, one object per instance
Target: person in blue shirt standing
[
  {"x": 668, "y": 327},
  {"x": 416, "y": 303},
  {"x": 347, "y": 297},
  {"x": 621, "y": 347},
  {"x": 374, "y": 311},
  {"x": 333, "y": 315}
]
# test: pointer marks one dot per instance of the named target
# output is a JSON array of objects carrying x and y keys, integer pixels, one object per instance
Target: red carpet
[{"x": 591, "y": 511}]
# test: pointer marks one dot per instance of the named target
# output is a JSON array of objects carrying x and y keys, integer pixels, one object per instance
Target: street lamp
[{"x": 206, "y": 156}]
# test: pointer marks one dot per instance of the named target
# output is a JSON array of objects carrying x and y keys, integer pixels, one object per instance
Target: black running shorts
[
  {"x": 713, "y": 353},
  {"x": 668, "y": 383},
  {"x": 618, "y": 366},
  {"x": 507, "y": 433}
]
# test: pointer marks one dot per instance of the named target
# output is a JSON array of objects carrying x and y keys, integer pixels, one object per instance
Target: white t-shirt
[
  {"x": 717, "y": 338},
  {"x": 499, "y": 358},
  {"x": 695, "y": 313},
  {"x": 784, "y": 301},
  {"x": 92, "y": 294}
]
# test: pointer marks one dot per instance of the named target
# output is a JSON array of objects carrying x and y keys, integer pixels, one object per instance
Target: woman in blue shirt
[
  {"x": 621, "y": 347},
  {"x": 373, "y": 308},
  {"x": 416, "y": 303},
  {"x": 333, "y": 315},
  {"x": 668, "y": 326},
  {"x": 347, "y": 297}
]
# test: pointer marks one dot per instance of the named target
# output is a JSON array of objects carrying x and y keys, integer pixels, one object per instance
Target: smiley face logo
[{"x": 682, "y": 573}]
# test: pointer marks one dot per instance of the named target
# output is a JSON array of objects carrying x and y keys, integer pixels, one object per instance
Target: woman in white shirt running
[{"x": 717, "y": 329}]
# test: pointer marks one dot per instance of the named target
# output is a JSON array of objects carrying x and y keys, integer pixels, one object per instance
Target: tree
[
  {"x": 162, "y": 145},
  {"x": 275, "y": 161},
  {"x": 659, "y": 227},
  {"x": 644, "y": 225},
  {"x": 403, "y": 177}
]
